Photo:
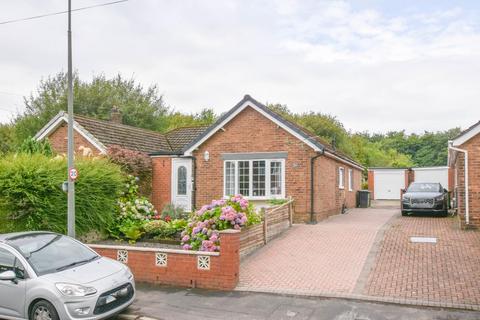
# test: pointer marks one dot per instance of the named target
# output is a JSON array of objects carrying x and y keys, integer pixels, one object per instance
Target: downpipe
[
  {"x": 467, "y": 193},
  {"x": 312, "y": 186}
]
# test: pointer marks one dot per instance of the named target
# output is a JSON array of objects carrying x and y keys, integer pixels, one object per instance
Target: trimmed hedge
[{"x": 31, "y": 196}]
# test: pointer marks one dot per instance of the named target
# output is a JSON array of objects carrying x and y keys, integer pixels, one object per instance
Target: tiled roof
[
  {"x": 180, "y": 137},
  {"x": 128, "y": 137},
  {"x": 305, "y": 134}
]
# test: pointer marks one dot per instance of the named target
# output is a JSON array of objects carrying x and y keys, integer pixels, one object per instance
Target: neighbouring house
[
  {"x": 99, "y": 135},
  {"x": 250, "y": 150},
  {"x": 464, "y": 159},
  {"x": 387, "y": 183}
]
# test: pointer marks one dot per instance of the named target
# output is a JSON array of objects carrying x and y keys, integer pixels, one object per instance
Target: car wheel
[
  {"x": 404, "y": 213},
  {"x": 444, "y": 213},
  {"x": 43, "y": 310}
]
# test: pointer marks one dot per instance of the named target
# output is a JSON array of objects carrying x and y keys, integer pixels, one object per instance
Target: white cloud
[{"x": 375, "y": 71}]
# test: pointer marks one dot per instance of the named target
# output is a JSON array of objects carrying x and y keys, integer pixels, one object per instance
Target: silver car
[{"x": 45, "y": 276}]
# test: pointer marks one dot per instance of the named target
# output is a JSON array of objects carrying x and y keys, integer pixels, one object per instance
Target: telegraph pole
[{"x": 71, "y": 165}]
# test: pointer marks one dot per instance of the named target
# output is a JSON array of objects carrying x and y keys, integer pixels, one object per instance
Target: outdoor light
[{"x": 206, "y": 155}]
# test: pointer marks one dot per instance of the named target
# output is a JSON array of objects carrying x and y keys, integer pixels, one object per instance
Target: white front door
[{"x": 182, "y": 183}]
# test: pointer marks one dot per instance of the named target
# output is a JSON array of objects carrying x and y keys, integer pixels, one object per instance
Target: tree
[
  {"x": 140, "y": 107},
  {"x": 176, "y": 119},
  {"x": 6, "y": 138},
  {"x": 32, "y": 146}
]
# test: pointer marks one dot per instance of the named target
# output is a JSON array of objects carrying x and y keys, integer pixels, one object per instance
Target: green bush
[
  {"x": 161, "y": 230},
  {"x": 133, "y": 211},
  {"x": 31, "y": 197}
]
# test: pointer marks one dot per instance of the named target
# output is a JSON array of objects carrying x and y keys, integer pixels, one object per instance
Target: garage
[
  {"x": 388, "y": 183},
  {"x": 432, "y": 174}
]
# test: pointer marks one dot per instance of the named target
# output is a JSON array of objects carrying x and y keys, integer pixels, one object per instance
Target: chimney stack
[{"x": 116, "y": 115}]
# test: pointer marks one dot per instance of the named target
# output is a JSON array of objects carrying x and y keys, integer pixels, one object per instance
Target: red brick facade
[
  {"x": 58, "y": 141},
  {"x": 473, "y": 148},
  {"x": 161, "y": 182},
  {"x": 329, "y": 198},
  {"x": 250, "y": 132},
  {"x": 182, "y": 266}
]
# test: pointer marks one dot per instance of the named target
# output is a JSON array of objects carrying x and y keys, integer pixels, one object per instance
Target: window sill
[
  {"x": 341, "y": 188},
  {"x": 265, "y": 198}
]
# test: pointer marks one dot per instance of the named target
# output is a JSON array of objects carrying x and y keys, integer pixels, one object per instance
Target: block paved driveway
[
  {"x": 367, "y": 254},
  {"x": 446, "y": 273},
  {"x": 315, "y": 259}
]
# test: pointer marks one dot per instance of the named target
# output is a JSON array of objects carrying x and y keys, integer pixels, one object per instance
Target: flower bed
[
  {"x": 137, "y": 219},
  {"x": 202, "y": 231}
]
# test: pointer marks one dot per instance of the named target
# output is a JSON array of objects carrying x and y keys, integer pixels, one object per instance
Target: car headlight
[
  {"x": 128, "y": 274},
  {"x": 439, "y": 198},
  {"x": 406, "y": 199},
  {"x": 75, "y": 290}
]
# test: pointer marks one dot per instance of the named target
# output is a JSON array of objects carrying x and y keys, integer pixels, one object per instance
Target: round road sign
[{"x": 73, "y": 174}]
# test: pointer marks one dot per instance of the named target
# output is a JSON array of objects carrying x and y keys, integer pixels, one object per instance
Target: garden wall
[
  {"x": 183, "y": 268},
  {"x": 275, "y": 220}
]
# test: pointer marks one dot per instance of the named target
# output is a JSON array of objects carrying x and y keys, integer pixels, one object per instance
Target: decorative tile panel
[
  {"x": 161, "y": 259},
  {"x": 122, "y": 256},
  {"x": 203, "y": 262}
]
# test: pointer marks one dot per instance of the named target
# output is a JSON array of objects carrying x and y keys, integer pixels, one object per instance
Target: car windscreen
[
  {"x": 424, "y": 187},
  {"x": 48, "y": 253}
]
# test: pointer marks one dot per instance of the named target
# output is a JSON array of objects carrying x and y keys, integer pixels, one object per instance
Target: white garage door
[
  {"x": 439, "y": 174},
  {"x": 387, "y": 184}
]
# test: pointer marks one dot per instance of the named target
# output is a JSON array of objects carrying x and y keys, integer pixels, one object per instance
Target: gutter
[
  {"x": 312, "y": 177},
  {"x": 332, "y": 155},
  {"x": 467, "y": 194}
]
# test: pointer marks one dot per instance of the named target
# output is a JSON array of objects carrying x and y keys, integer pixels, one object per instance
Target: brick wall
[
  {"x": 250, "y": 131},
  {"x": 473, "y": 148},
  {"x": 161, "y": 181},
  {"x": 371, "y": 184},
  {"x": 182, "y": 267},
  {"x": 58, "y": 140},
  {"x": 329, "y": 197}
]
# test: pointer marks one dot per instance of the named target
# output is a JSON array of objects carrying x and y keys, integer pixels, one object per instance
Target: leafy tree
[
  {"x": 176, "y": 119},
  {"x": 141, "y": 107},
  {"x": 6, "y": 138},
  {"x": 427, "y": 149},
  {"x": 32, "y": 146}
]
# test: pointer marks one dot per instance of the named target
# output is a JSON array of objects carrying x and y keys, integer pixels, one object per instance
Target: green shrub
[
  {"x": 133, "y": 211},
  {"x": 160, "y": 230},
  {"x": 31, "y": 197},
  {"x": 32, "y": 146},
  {"x": 277, "y": 202},
  {"x": 171, "y": 212}
]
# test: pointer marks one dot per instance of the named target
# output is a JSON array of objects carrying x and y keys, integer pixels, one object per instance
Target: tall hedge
[{"x": 31, "y": 196}]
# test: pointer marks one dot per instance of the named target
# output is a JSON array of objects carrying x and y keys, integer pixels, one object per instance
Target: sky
[{"x": 376, "y": 65}]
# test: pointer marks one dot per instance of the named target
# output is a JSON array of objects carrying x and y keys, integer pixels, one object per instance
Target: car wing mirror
[{"x": 8, "y": 276}]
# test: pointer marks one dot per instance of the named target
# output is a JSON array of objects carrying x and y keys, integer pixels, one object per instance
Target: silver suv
[{"x": 45, "y": 276}]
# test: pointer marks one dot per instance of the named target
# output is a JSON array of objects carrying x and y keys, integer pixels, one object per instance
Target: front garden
[{"x": 111, "y": 203}]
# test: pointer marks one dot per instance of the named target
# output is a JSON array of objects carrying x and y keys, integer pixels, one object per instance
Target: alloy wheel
[{"x": 42, "y": 313}]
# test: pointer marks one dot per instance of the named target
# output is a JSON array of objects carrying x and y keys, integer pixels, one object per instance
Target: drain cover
[{"x": 423, "y": 240}]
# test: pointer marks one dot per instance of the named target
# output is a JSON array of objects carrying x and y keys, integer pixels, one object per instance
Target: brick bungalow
[
  {"x": 464, "y": 160},
  {"x": 250, "y": 150}
]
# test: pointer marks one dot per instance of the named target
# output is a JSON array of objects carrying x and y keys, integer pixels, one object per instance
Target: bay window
[{"x": 255, "y": 179}]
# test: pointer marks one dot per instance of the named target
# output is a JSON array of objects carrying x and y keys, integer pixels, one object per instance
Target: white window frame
[
  {"x": 267, "y": 195},
  {"x": 341, "y": 178},
  {"x": 350, "y": 180}
]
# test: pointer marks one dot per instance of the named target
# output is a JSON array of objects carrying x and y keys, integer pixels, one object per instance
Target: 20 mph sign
[{"x": 73, "y": 174}]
